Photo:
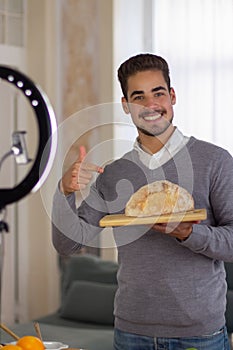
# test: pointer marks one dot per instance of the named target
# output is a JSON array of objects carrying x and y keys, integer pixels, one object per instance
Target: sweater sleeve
[
  {"x": 74, "y": 227},
  {"x": 214, "y": 238}
]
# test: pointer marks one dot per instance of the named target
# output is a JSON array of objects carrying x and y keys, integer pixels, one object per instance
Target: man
[{"x": 172, "y": 288}]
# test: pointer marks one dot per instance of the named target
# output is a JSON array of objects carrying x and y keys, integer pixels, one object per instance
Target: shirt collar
[{"x": 172, "y": 146}]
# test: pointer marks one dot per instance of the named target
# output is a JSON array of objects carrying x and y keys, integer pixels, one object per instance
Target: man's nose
[{"x": 150, "y": 101}]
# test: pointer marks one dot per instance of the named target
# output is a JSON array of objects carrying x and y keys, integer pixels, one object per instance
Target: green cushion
[
  {"x": 229, "y": 311},
  {"x": 88, "y": 301},
  {"x": 88, "y": 268},
  {"x": 229, "y": 275}
]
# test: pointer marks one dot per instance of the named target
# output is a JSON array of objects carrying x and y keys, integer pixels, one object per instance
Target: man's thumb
[{"x": 82, "y": 153}]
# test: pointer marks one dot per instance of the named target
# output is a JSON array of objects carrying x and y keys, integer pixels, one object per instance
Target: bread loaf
[{"x": 159, "y": 197}]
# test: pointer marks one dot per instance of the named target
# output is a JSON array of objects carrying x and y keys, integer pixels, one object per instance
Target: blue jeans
[{"x": 129, "y": 341}]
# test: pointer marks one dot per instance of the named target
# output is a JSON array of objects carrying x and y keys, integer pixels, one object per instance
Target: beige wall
[
  {"x": 87, "y": 69},
  {"x": 86, "y": 53},
  {"x": 69, "y": 54},
  {"x": 42, "y": 280}
]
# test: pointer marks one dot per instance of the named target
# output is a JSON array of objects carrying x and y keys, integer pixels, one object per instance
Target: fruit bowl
[{"x": 53, "y": 345}]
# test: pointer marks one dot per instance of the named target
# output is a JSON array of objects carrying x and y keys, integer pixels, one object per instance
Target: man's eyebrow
[
  {"x": 158, "y": 88},
  {"x": 136, "y": 92},
  {"x": 140, "y": 92}
]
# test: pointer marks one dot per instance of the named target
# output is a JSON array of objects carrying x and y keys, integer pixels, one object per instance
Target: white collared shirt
[{"x": 173, "y": 145}]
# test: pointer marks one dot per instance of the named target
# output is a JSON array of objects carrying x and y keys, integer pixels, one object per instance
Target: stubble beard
[{"x": 157, "y": 131}]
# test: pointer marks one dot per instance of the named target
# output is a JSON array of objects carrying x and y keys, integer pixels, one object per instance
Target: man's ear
[
  {"x": 125, "y": 105},
  {"x": 173, "y": 96}
]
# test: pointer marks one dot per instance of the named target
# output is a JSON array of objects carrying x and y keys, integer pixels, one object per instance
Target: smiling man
[{"x": 171, "y": 279}]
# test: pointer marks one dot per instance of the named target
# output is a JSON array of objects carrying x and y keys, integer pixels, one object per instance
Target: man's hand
[
  {"x": 79, "y": 174},
  {"x": 180, "y": 230}
]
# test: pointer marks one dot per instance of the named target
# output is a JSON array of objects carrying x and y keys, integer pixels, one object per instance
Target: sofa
[
  {"x": 85, "y": 317},
  {"x": 88, "y": 287},
  {"x": 229, "y": 309}
]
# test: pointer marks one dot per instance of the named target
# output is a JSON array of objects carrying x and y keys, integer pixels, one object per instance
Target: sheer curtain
[{"x": 195, "y": 38}]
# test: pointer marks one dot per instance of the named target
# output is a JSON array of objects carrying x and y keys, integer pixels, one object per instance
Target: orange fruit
[
  {"x": 12, "y": 347},
  {"x": 29, "y": 342}
]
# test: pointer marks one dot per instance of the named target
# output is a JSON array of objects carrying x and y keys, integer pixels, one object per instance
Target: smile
[{"x": 152, "y": 117}]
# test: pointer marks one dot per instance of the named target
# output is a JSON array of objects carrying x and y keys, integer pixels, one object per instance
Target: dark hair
[{"x": 139, "y": 63}]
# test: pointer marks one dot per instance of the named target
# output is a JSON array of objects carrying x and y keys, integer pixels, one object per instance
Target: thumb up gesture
[{"x": 78, "y": 176}]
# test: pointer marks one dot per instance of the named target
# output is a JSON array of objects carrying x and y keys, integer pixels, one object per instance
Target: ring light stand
[{"x": 47, "y": 143}]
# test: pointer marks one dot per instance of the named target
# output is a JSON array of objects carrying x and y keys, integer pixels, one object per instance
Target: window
[
  {"x": 194, "y": 36},
  {"x": 12, "y": 22}
]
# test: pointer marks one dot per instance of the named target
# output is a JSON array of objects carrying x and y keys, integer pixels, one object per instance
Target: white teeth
[{"x": 153, "y": 117}]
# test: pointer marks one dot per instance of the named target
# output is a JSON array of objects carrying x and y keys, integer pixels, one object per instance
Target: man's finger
[
  {"x": 91, "y": 167},
  {"x": 87, "y": 166}
]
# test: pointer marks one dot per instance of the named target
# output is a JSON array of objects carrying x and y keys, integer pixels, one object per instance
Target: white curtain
[{"x": 195, "y": 37}]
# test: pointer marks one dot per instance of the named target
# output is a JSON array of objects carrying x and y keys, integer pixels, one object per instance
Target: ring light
[{"x": 47, "y": 142}]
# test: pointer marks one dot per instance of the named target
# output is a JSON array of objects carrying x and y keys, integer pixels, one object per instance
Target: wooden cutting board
[{"x": 122, "y": 220}]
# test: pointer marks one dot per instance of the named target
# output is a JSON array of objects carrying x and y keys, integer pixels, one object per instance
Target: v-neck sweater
[{"x": 166, "y": 288}]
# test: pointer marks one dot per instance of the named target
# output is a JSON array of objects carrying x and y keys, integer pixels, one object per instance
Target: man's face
[{"x": 149, "y": 102}]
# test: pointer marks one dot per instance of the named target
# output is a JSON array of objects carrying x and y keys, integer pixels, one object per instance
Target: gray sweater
[{"x": 167, "y": 288}]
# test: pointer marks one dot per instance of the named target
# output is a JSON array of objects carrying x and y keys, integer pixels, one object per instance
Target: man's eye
[
  {"x": 138, "y": 98},
  {"x": 158, "y": 94}
]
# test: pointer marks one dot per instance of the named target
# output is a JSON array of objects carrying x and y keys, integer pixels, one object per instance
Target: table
[{"x": 88, "y": 339}]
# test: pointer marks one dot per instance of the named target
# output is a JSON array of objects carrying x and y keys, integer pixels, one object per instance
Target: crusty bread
[{"x": 159, "y": 197}]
